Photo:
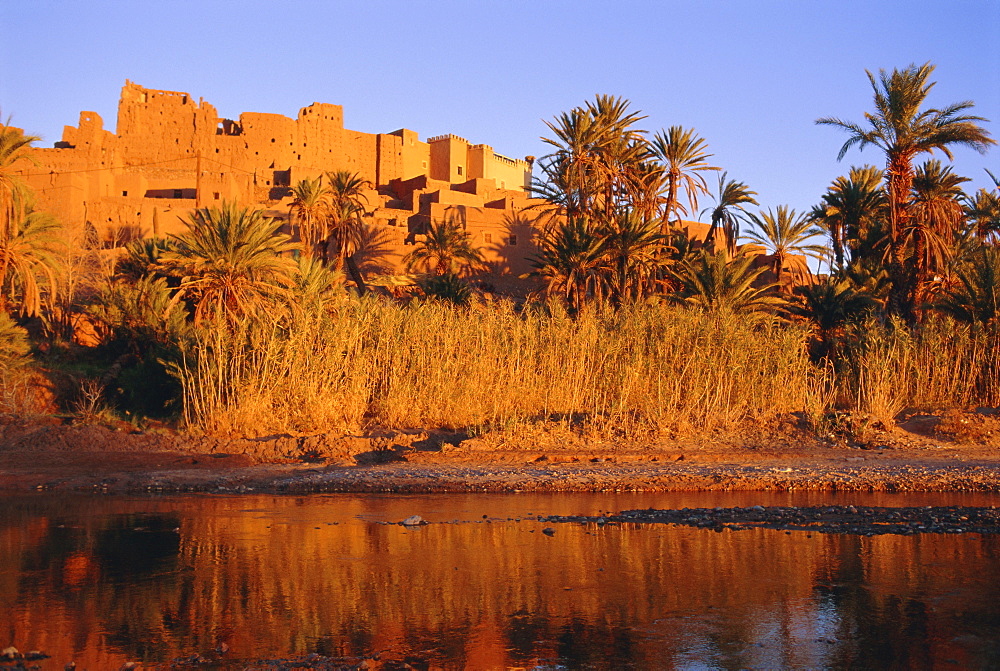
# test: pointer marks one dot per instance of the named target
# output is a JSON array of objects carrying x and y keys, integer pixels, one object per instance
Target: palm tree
[
  {"x": 710, "y": 282},
  {"x": 983, "y": 210},
  {"x": 937, "y": 217},
  {"x": 345, "y": 217},
  {"x": 902, "y": 131},
  {"x": 976, "y": 299},
  {"x": 309, "y": 205},
  {"x": 314, "y": 285},
  {"x": 142, "y": 257},
  {"x": 852, "y": 212},
  {"x": 375, "y": 248},
  {"x": 782, "y": 233},
  {"x": 446, "y": 248},
  {"x": 830, "y": 305},
  {"x": 599, "y": 163},
  {"x": 570, "y": 260},
  {"x": 728, "y": 211},
  {"x": 631, "y": 254},
  {"x": 448, "y": 287},
  {"x": 15, "y": 146},
  {"x": 684, "y": 158},
  {"x": 29, "y": 246},
  {"x": 231, "y": 262},
  {"x": 140, "y": 313},
  {"x": 14, "y": 346}
]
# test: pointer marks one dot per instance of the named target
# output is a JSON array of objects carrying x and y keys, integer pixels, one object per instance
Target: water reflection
[{"x": 107, "y": 580}]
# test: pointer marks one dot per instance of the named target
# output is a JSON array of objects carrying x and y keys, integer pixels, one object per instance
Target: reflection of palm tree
[
  {"x": 710, "y": 282},
  {"x": 684, "y": 158},
  {"x": 903, "y": 131},
  {"x": 728, "y": 211},
  {"x": 784, "y": 233},
  {"x": 231, "y": 262},
  {"x": 446, "y": 248},
  {"x": 309, "y": 205}
]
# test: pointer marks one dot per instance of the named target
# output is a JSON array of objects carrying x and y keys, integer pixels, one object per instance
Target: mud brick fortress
[{"x": 171, "y": 154}]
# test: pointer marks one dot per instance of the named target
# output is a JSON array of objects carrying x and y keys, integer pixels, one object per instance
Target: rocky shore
[{"x": 957, "y": 452}]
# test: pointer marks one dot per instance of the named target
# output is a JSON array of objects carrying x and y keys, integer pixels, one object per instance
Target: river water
[{"x": 105, "y": 580}]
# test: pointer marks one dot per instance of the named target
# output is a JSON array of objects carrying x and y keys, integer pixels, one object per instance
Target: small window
[
  {"x": 216, "y": 150},
  {"x": 425, "y": 164},
  {"x": 459, "y": 171},
  {"x": 216, "y": 195},
  {"x": 512, "y": 241},
  {"x": 488, "y": 238},
  {"x": 178, "y": 193},
  {"x": 272, "y": 140},
  {"x": 124, "y": 193}
]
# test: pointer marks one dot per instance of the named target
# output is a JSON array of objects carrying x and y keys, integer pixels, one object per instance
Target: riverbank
[{"x": 946, "y": 452}]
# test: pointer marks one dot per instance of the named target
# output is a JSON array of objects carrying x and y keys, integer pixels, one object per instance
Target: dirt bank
[{"x": 946, "y": 452}]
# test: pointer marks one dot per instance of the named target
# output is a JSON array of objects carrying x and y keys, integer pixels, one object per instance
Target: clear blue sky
[{"x": 750, "y": 76}]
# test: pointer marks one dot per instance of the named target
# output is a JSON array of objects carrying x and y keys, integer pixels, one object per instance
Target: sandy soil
[{"x": 947, "y": 452}]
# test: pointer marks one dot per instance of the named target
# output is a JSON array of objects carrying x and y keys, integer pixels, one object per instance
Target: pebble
[{"x": 413, "y": 521}]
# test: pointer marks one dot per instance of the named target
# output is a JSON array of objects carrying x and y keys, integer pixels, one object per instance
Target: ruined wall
[{"x": 144, "y": 178}]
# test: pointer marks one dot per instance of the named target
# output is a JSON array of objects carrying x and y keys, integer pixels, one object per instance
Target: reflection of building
[{"x": 171, "y": 154}]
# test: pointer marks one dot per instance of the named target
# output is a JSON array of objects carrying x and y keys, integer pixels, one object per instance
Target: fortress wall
[
  {"x": 509, "y": 173},
  {"x": 453, "y": 197},
  {"x": 449, "y": 158},
  {"x": 269, "y": 140},
  {"x": 389, "y": 156},
  {"x": 155, "y": 125},
  {"x": 415, "y": 155},
  {"x": 121, "y": 183},
  {"x": 320, "y": 137},
  {"x": 504, "y": 237},
  {"x": 360, "y": 155}
]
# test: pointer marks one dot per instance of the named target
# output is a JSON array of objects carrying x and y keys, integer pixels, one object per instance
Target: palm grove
[{"x": 637, "y": 328}]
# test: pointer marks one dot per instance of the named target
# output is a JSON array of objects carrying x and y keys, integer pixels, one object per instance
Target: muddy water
[{"x": 102, "y": 581}]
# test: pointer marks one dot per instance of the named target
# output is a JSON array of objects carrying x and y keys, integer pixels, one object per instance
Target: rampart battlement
[
  {"x": 446, "y": 136},
  {"x": 513, "y": 162}
]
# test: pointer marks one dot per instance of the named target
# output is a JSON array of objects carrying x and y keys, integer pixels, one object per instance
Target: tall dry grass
[
  {"x": 940, "y": 363},
  {"x": 641, "y": 371}
]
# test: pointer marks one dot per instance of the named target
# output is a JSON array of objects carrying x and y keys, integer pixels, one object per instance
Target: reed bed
[
  {"x": 640, "y": 371},
  {"x": 939, "y": 364}
]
